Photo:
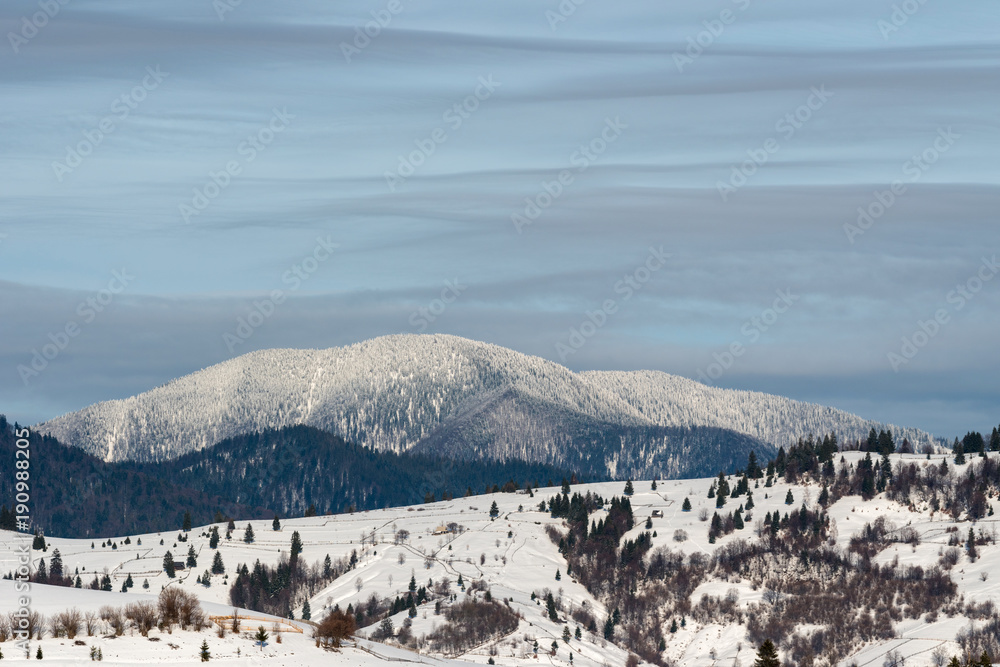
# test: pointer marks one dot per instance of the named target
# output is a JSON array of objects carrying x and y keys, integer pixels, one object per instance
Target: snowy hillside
[
  {"x": 461, "y": 397},
  {"x": 515, "y": 559}
]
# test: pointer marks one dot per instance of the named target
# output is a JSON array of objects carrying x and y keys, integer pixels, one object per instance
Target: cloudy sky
[{"x": 192, "y": 158}]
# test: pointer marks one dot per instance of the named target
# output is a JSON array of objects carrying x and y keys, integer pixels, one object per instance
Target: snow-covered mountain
[{"x": 461, "y": 398}]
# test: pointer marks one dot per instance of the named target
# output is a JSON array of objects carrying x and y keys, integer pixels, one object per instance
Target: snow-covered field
[{"x": 512, "y": 554}]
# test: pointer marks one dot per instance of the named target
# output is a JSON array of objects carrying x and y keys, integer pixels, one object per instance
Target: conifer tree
[
  {"x": 217, "y": 566},
  {"x": 204, "y": 654},
  {"x": 788, "y": 498},
  {"x": 653, "y": 485},
  {"x": 306, "y": 611},
  {"x": 213, "y": 538},
  {"x": 168, "y": 564},
  {"x": 248, "y": 534},
  {"x": 686, "y": 507},
  {"x": 550, "y": 607},
  {"x": 56, "y": 566},
  {"x": 192, "y": 560},
  {"x": 628, "y": 488},
  {"x": 187, "y": 521},
  {"x": 767, "y": 655},
  {"x": 276, "y": 524},
  {"x": 494, "y": 510}
]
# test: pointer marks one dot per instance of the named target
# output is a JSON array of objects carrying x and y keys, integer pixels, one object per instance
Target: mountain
[{"x": 463, "y": 399}]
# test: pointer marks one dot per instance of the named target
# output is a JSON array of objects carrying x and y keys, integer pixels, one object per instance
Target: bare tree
[
  {"x": 114, "y": 617},
  {"x": 143, "y": 614},
  {"x": 90, "y": 622}
]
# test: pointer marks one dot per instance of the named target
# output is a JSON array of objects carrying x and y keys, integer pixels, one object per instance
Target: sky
[{"x": 785, "y": 196}]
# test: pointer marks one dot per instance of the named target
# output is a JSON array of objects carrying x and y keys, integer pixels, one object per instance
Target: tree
[
  {"x": 213, "y": 538},
  {"x": 205, "y": 655},
  {"x": 339, "y": 625},
  {"x": 767, "y": 655},
  {"x": 628, "y": 488},
  {"x": 306, "y": 611},
  {"x": 56, "y": 567},
  {"x": 959, "y": 452},
  {"x": 261, "y": 636},
  {"x": 653, "y": 485},
  {"x": 191, "y": 561},
  {"x": 168, "y": 564},
  {"x": 686, "y": 507},
  {"x": 566, "y": 636},
  {"x": 788, "y": 498},
  {"x": 550, "y": 607},
  {"x": 984, "y": 660},
  {"x": 971, "y": 545},
  {"x": 217, "y": 566},
  {"x": 187, "y": 521},
  {"x": 494, "y": 510},
  {"x": 38, "y": 653},
  {"x": 248, "y": 534},
  {"x": 276, "y": 524},
  {"x": 753, "y": 467}
]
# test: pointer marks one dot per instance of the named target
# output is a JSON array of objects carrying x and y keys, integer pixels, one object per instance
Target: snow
[
  {"x": 391, "y": 393},
  {"x": 531, "y": 562}
]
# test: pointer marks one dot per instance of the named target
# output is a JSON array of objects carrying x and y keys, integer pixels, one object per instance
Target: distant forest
[{"x": 290, "y": 472}]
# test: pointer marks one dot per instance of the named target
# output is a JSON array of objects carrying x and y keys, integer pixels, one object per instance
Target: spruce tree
[
  {"x": 217, "y": 566},
  {"x": 306, "y": 611},
  {"x": 168, "y": 564},
  {"x": 767, "y": 655},
  {"x": 187, "y": 521},
  {"x": 38, "y": 653},
  {"x": 653, "y": 485},
  {"x": 213, "y": 539},
  {"x": 205, "y": 655},
  {"x": 248, "y": 534},
  {"x": 628, "y": 488},
  {"x": 550, "y": 607},
  {"x": 686, "y": 507},
  {"x": 276, "y": 524},
  {"x": 788, "y": 498},
  {"x": 192, "y": 560},
  {"x": 56, "y": 566},
  {"x": 261, "y": 636},
  {"x": 494, "y": 510}
]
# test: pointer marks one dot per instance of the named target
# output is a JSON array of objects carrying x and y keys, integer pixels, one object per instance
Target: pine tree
[
  {"x": 217, "y": 566},
  {"x": 788, "y": 498},
  {"x": 205, "y": 655},
  {"x": 276, "y": 524},
  {"x": 824, "y": 496},
  {"x": 192, "y": 560},
  {"x": 261, "y": 636},
  {"x": 38, "y": 653},
  {"x": 168, "y": 564},
  {"x": 550, "y": 607},
  {"x": 971, "y": 545},
  {"x": 959, "y": 452},
  {"x": 653, "y": 485},
  {"x": 954, "y": 662},
  {"x": 248, "y": 534},
  {"x": 56, "y": 566},
  {"x": 213, "y": 539},
  {"x": 413, "y": 584},
  {"x": 984, "y": 660},
  {"x": 494, "y": 510},
  {"x": 306, "y": 611},
  {"x": 128, "y": 582},
  {"x": 566, "y": 636},
  {"x": 686, "y": 507},
  {"x": 673, "y": 626},
  {"x": 628, "y": 488},
  {"x": 767, "y": 655}
]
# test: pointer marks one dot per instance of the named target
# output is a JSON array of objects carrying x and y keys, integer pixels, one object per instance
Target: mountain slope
[{"x": 467, "y": 398}]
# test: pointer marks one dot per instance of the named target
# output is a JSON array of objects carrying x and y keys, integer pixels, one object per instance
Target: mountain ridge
[{"x": 472, "y": 399}]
